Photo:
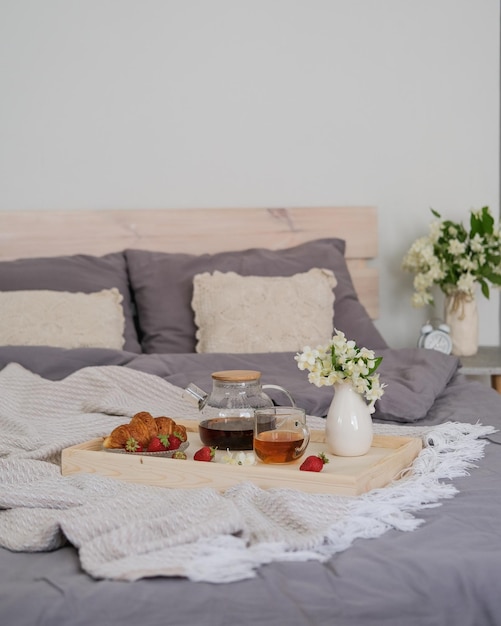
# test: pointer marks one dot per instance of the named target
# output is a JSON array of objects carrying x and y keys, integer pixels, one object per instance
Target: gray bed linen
[
  {"x": 448, "y": 571},
  {"x": 414, "y": 377}
]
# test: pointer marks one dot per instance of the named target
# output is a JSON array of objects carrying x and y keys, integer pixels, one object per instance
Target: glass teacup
[{"x": 280, "y": 434}]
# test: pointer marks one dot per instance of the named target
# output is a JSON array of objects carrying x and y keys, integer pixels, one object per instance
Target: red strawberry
[
  {"x": 179, "y": 454},
  {"x": 159, "y": 443},
  {"x": 204, "y": 454},
  {"x": 131, "y": 445},
  {"x": 174, "y": 442},
  {"x": 314, "y": 463}
]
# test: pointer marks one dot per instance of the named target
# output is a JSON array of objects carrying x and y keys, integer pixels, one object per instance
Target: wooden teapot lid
[{"x": 236, "y": 376}]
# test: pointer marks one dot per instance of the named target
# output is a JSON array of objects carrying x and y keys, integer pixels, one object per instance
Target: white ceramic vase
[
  {"x": 348, "y": 428},
  {"x": 461, "y": 315}
]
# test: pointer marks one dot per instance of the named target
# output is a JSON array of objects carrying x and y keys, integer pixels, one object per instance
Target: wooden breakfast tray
[{"x": 351, "y": 476}]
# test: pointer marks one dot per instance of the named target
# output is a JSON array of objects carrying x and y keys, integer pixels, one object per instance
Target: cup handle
[
  {"x": 299, "y": 451},
  {"x": 278, "y": 388}
]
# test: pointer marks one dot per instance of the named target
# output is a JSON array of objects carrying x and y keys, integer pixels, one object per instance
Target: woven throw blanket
[{"x": 124, "y": 531}]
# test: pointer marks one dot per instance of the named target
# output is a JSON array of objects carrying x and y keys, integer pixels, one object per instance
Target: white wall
[{"x": 192, "y": 103}]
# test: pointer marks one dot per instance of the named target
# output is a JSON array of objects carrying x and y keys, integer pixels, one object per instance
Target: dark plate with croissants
[{"x": 148, "y": 435}]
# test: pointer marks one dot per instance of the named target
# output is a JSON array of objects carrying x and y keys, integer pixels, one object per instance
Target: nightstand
[{"x": 487, "y": 362}]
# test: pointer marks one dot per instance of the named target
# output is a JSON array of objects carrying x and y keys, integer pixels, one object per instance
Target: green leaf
[
  {"x": 475, "y": 225},
  {"x": 483, "y": 224},
  {"x": 485, "y": 288},
  {"x": 493, "y": 278},
  {"x": 487, "y": 220}
]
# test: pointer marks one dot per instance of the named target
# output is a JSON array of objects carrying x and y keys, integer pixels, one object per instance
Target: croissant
[
  {"x": 118, "y": 437},
  {"x": 143, "y": 427},
  {"x": 164, "y": 425},
  {"x": 139, "y": 431},
  {"x": 180, "y": 432},
  {"x": 149, "y": 421},
  {"x": 121, "y": 434}
]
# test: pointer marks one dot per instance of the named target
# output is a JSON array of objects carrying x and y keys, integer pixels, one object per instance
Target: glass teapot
[{"x": 227, "y": 413}]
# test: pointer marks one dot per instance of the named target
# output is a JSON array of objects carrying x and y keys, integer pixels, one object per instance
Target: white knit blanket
[{"x": 125, "y": 531}]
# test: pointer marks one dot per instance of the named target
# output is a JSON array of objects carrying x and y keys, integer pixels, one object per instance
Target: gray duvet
[{"x": 447, "y": 571}]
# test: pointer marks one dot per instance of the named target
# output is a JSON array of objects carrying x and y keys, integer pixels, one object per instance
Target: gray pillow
[
  {"x": 163, "y": 287},
  {"x": 77, "y": 273}
]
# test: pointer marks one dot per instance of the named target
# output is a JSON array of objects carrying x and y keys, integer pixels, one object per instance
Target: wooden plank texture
[
  {"x": 39, "y": 233},
  {"x": 28, "y": 234},
  {"x": 351, "y": 476}
]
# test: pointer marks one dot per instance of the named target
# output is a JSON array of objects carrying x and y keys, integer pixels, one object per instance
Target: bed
[{"x": 86, "y": 549}]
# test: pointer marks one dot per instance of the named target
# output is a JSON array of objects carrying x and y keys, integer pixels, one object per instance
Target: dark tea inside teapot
[{"x": 233, "y": 433}]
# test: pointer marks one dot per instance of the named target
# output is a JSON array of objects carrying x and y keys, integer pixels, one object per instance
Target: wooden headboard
[{"x": 52, "y": 233}]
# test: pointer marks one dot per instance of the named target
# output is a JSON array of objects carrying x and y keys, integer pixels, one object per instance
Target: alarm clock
[{"x": 435, "y": 337}]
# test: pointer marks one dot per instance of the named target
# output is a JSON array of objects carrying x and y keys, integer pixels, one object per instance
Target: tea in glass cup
[{"x": 280, "y": 434}]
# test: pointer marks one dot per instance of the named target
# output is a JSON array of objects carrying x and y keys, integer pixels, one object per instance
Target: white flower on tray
[{"x": 238, "y": 458}]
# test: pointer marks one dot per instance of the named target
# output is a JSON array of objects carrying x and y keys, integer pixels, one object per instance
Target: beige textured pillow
[
  {"x": 62, "y": 319},
  {"x": 250, "y": 314}
]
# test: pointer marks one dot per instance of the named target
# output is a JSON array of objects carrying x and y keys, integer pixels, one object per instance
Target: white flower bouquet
[
  {"x": 454, "y": 258},
  {"x": 341, "y": 360}
]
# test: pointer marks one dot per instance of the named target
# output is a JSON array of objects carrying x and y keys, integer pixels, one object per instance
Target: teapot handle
[{"x": 278, "y": 388}]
